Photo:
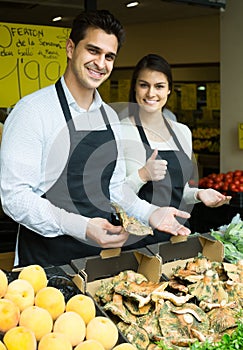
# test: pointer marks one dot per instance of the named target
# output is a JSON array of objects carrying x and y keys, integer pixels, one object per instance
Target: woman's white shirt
[{"x": 135, "y": 154}]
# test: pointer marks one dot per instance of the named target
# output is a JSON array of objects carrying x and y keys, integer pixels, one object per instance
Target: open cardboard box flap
[
  {"x": 204, "y": 244},
  {"x": 100, "y": 267},
  {"x": 211, "y": 248},
  {"x": 180, "y": 250}
]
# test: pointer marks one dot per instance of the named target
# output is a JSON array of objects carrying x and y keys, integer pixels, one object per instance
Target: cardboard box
[
  {"x": 180, "y": 249},
  {"x": 92, "y": 270},
  {"x": 152, "y": 262},
  {"x": 112, "y": 261}
]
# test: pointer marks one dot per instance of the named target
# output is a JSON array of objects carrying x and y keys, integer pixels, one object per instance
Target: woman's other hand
[{"x": 212, "y": 198}]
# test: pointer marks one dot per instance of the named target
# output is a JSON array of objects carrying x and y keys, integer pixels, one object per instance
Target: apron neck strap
[
  {"x": 65, "y": 108},
  {"x": 144, "y": 137},
  {"x": 63, "y": 100}
]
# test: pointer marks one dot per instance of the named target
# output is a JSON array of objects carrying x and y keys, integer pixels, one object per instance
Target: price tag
[
  {"x": 240, "y": 129},
  {"x": 31, "y": 57}
]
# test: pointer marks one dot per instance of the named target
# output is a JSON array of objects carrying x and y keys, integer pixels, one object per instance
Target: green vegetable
[
  {"x": 232, "y": 238},
  {"x": 227, "y": 342},
  {"x": 218, "y": 235},
  {"x": 239, "y": 246},
  {"x": 162, "y": 345},
  {"x": 231, "y": 253}
]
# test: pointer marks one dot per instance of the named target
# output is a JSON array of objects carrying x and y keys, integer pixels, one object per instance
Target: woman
[{"x": 158, "y": 151}]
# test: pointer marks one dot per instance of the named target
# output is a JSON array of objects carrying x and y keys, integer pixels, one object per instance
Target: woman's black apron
[
  {"x": 169, "y": 191},
  {"x": 82, "y": 188}
]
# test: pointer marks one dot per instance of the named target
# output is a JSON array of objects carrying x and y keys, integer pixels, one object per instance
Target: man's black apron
[
  {"x": 169, "y": 191},
  {"x": 82, "y": 188}
]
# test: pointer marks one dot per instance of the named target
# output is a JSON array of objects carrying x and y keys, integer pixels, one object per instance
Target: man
[{"x": 61, "y": 161}]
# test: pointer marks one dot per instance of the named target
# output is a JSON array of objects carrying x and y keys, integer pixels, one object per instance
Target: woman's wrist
[
  {"x": 197, "y": 194},
  {"x": 143, "y": 174}
]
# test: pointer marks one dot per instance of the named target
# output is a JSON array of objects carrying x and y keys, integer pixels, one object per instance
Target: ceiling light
[
  {"x": 132, "y": 4},
  {"x": 56, "y": 19}
]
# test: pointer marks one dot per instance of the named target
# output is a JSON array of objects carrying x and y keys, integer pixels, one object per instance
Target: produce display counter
[
  {"x": 138, "y": 286},
  {"x": 204, "y": 218},
  {"x": 231, "y": 183},
  {"x": 8, "y": 233}
]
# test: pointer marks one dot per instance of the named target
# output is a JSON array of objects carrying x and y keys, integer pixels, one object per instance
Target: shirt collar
[{"x": 96, "y": 104}]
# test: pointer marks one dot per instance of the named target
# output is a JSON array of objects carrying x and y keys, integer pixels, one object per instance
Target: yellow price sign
[
  {"x": 31, "y": 57},
  {"x": 240, "y": 130}
]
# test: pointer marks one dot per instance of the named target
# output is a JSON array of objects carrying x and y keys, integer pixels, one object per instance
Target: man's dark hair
[{"x": 102, "y": 19}]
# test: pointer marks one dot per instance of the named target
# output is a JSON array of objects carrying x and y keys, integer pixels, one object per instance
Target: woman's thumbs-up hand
[{"x": 154, "y": 169}]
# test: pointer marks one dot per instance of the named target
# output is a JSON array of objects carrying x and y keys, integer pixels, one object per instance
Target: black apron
[
  {"x": 169, "y": 191},
  {"x": 82, "y": 188}
]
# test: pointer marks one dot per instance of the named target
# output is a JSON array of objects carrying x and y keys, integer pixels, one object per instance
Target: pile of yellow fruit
[{"x": 35, "y": 316}]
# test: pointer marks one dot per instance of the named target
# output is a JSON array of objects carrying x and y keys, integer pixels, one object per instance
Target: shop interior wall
[
  {"x": 194, "y": 40},
  {"x": 231, "y": 45},
  {"x": 200, "y": 73}
]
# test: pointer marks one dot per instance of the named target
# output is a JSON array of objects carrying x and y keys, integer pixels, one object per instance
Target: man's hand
[
  {"x": 212, "y": 198},
  {"x": 164, "y": 219},
  {"x": 105, "y": 234},
  {"x": 154, "y": 169}
]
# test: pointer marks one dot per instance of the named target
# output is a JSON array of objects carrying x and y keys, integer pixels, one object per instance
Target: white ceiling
[{"x": 41, "y": 12}]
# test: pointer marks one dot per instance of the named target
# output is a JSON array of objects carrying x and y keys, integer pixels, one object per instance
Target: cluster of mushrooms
[{"x": 201, "y": 301}]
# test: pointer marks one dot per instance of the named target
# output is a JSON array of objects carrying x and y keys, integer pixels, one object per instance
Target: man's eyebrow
[{"x": 91, "y": 46}]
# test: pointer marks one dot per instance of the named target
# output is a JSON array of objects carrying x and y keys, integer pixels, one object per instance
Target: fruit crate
[
  {"x": 66, "y": 280},
  {"x": 63, "y": 277}
]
